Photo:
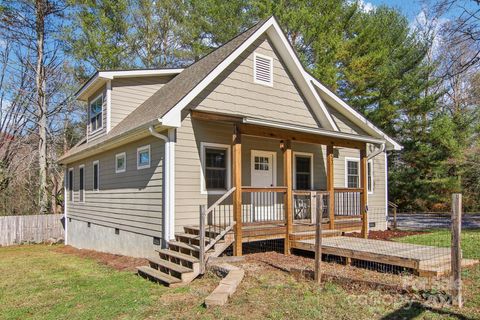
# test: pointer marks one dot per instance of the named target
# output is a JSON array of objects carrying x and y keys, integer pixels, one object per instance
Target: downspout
[
  {"x": 168, "y": 184},
  {"x": 65, "y": 204}
]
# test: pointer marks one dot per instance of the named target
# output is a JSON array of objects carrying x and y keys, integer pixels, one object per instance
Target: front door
[{"x": 263, "y": 169}]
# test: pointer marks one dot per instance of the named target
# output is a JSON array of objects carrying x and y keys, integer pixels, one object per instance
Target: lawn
[{"x": 39, "y": 282}]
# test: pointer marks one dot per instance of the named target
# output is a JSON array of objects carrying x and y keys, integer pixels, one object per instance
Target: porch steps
[{"x": 179, "y": 264}]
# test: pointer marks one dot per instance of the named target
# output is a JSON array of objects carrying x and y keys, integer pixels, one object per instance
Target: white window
[
  {"x": 303, "y": 171},
  {"x": 120, "y": 162},
  {"x": 96, "y": 175},
  {"x": 215, "y": 173},
  {"x": 96, "y": 113},
  {"x": 143, "y": 157},
  {"x": 370, "y": 176},
  {"x": 262, "y": 69},
  {"x": 70, "y": 184},
  {"x": 81, "y": 188},
  {"x": 352, "y": 173}
]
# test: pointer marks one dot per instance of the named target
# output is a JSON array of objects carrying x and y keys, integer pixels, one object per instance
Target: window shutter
[{"x": 263, "y": 69}]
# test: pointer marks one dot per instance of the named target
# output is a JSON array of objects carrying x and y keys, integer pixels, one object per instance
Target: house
[{"x": 245, "y": 137}]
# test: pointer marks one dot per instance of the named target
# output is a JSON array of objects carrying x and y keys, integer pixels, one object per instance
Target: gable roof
[{"x": 165, "y": 105}]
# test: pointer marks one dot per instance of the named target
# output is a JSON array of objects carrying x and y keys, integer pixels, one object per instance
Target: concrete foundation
[{"x": 104, "y": 239}]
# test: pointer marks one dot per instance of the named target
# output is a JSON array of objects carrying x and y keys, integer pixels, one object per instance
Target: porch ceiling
[{"x": 287, "y": 131}]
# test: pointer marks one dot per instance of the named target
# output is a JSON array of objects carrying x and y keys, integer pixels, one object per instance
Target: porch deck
[{"x": 424, "y": 260}]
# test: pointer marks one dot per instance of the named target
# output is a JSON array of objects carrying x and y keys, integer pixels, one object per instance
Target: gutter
[{"x": 168, "y": 183}]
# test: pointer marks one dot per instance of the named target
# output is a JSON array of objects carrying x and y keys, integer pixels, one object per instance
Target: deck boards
[{"x": 425, "y": 260}]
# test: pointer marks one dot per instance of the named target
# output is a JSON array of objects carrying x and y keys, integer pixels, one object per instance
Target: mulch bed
[
  {"x": 115, "y": 261},
  {"x": 385, "y": 235}
]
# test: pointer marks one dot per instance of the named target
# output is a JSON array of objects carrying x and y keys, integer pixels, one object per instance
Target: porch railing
[
  {"x": 348, "y": 202},
  {"x": 263, "y": 204},
  {"x": 304, "y": 203}
]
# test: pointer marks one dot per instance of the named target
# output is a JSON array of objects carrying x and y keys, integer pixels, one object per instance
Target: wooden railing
[
  {"x": 263, "y": 204},
  {"x": 215, "y": 221},
  {"x": 348, "y": 202},
  {"x": 305, "y": 203}
]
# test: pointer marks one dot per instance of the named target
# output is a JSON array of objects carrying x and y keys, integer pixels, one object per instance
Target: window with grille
[
  {"x": 370, "y": 176},
  {"x": 262, "y": 163},
  {"x": 96, "y": 113},
  {"x": 215, "y": 169},
  {"x": 353, "y": 173},
  {"x": 262, "y": 69},
  {"x": 303, "y": 173}
]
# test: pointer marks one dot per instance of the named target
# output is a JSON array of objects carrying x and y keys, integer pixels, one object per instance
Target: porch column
[
  {"x": 330, "y": 186},
  {"x": 237, "y": 195},
  {"x": 363, "y": 186},
  {"x": 287, "y": 177}
]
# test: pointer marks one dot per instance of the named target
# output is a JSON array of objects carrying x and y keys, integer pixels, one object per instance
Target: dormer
[{"x": 112, "y": 95}]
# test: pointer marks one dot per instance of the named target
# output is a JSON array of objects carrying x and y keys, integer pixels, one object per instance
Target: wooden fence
[{"x": 30, "y": 228}]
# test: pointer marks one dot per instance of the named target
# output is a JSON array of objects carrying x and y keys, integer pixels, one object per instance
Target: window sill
[
  {"x": 143, "y": 167},
  {"x": 96, "y": 130}
]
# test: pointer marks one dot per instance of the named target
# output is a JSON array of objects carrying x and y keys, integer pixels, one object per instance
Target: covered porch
[{"x": 265, "y": 207}]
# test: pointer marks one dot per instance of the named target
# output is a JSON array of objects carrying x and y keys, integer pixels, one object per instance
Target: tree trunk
[{"x": 40, "y": 7}]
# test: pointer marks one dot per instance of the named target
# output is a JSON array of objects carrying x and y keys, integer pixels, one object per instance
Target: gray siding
[
  {"x": 93, "y": 135},
  {"x": 130, "y": 201},
  {"x": 234, "y": 91},
  {"x": 129, "y": 93}
]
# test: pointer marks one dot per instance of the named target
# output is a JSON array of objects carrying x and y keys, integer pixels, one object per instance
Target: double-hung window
[
  {"x": 370, "y": 176},
  {"x": 96, "y": 113},
  {"x": 303, "y": 171},
  {"x": 81, "y": 188},
  {"x": 352, "y": 174},
  {"x": 216, "y": 168}
]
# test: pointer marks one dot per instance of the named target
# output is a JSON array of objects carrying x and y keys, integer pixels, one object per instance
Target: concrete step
[{"x": 158, "y": 276}]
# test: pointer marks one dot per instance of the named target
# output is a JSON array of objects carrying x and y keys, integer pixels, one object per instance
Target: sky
[{"x": 408, "y": 7}]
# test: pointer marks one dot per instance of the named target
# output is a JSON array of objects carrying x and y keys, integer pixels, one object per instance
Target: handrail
[
  {"x": 392, "y": 204},
  {"x": 216, "y": 203},
  {"x": 264, "y": 189},
  {"x": 348, "y": 190},
  {"x": 308, "y": 192}
]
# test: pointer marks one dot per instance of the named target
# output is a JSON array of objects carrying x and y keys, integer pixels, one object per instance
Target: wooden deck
[{"x": 424, "y": 260}]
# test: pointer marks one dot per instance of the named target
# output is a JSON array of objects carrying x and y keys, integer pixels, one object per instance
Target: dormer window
[
  {"x": 262, "y": 69},
  {"x": 96, "y": 113}
]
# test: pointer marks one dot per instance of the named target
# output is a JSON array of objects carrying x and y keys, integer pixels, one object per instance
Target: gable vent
[{"x": 262, "y": 69}]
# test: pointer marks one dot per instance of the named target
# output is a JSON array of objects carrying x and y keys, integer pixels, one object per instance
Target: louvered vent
[{"x": 263, "y": 69}]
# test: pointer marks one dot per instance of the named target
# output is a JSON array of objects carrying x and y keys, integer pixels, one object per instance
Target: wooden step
[
  {"x": 169, "y": 265},
  {"x": 158, "y": 275},
  {"x": 210, "y": 232},
  {"x": 184, "y": 248},
  {"x": 178, "y": 255},
  {"x": 190, "y": 238}
]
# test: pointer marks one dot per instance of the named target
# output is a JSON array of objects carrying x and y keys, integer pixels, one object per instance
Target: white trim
[
  {"x": 320, "y": 132},
  {"x": 173, "y": 117},
  {"x": 171, "y": 185},
  {"x": 302, "y": 154},
  {"x": 72, "y": 181},
  {"x": 351, "y": 159},
  {"x": 102, "y": 76},
  {"x": 118, "y": 155},
  {"x": 100, "y": 96},
  {"x": 386, "y": 186},
  {"x": 65, "y": 204},
  {"x": 109, "y": 105},
  {"x": 371, "y": 176},
  {"x": 80, "y": 198},
  {"x": 353, "y": 115},
  {"x": 258, "y": 81},
  {"x": 96, "y": 162},
  {"x": 140, "y": 149},
  {"x": 262, "y": 153},
  {"x": 227, "y": 147}
]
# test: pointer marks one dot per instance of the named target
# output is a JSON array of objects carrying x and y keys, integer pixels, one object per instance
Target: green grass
[
  {"x": 442, "y": 238},
  {"x": 37, "y": 282}
]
